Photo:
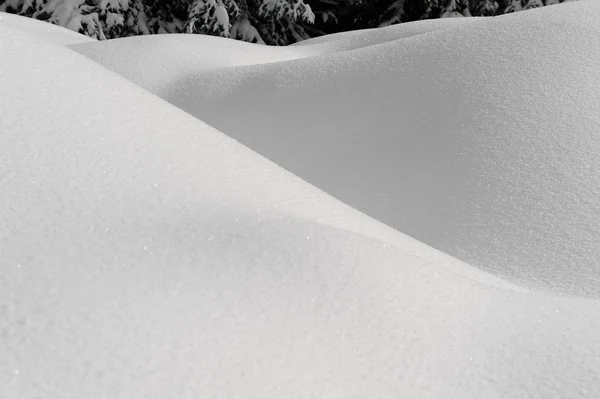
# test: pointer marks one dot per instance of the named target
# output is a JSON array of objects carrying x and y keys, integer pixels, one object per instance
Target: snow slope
[
  {"x": 44, "y": 30},
  {"x": 478, "y": 137},
  {"x": 166, "y": 59},
  {"x": 144, "y": 254}
]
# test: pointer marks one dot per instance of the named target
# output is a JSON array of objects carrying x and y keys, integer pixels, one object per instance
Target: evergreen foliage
[{"x": 275, "y": 22}]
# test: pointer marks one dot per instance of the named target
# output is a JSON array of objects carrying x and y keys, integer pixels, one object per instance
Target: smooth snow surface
[
  {"x": 44, "y": 30},
  {"x": 144, "y": 254},
  {"x": 479, "y": 137}
]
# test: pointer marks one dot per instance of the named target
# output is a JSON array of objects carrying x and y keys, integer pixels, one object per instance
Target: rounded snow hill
[
  {"x": 47, "y": 31},
  {"x": 362, "y": 38},
  {"x": 479, "y": 138},
  {"x": 144, "y": 254},
  {"x": 157, "y": 62}
]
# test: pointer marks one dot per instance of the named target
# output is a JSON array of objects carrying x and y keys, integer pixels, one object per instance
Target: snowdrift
[
  {"x": 476, "y": 136},
  {"x": 166, "y": 59},
  {"x": 145, "y": 254},
  {"x": 44, "y": 30}
]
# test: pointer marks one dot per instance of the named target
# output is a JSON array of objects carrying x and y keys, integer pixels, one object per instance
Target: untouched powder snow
[
  {"x": 44, "y": 30},
  {"x": 144, "y": 254},
  {"x": 167, "y": 59},
  {"x": 479, "y": 138},
  {"x": 163, "y": 59},
  {"x": 362, "y": 38}
]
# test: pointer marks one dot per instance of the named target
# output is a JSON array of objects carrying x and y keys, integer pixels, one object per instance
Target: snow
[
  {"x": 167, "y": 59},
  {"x": 242, "y": 29},
  {"x": 144, "y": 253},
  {"x": 162, "y": 59},
  {"x": 462, "y": 135},
  {"x": 44, "y": 30}
]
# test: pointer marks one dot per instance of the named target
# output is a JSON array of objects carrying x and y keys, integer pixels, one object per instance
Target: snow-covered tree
[
  {"x": 166, "y": 16},
  {"x": 520, "y": 5},
  {"x": 533, "y": 4},
  {"x": 414, "y": 10},
  {"x": 211, "y": 17},
  {"x": 242, "y": 29},
  {"x": 100, "y": 19},
  {"x": 343, "y": 15},
  {"x": 280, "y": 21},
  {"x": 456, "y": 8},
  {"x": 451, "y": 9},
  {"x": 394, "y": 14},
  {"x": 484, "y": 8}
]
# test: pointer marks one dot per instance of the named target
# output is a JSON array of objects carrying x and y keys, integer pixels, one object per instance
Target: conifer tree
[
  {"x": 281, "y": 21},
  {"x": 450, "y": 9},
  {"x": 393, "y": 14},
  {"x": 277, "y": 22},
  {"x": 484, "y": 8},
  {"x": 533, "y": 4}
]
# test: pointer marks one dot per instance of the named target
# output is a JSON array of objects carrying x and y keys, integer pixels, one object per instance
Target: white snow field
[
  {"x": 479, "y": 137},
  {"x": 145, "y": 254}
]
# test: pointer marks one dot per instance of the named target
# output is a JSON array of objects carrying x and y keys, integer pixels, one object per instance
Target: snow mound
[
  {"x": 154, "y": 62},
  {"x": 479, "y": 139},
  {"x": 167, "y": 59},
  {"x": 362, "y": 38},
  {"x": 145, "y": 254},
  {"x": 53, "y": 33}
]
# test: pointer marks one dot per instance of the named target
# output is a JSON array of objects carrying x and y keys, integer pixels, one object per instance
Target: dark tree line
[{"x": 275, "y": 22}]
